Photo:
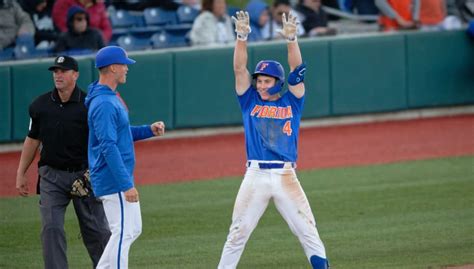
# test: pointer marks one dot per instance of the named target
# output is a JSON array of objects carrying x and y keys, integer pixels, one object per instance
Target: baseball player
[
  {"x": 271, "y": 121},
  {"x": 112, "y": 156}
]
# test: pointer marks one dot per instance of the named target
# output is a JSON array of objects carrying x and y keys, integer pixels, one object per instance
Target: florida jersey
[{"x": 271, "y": 127}]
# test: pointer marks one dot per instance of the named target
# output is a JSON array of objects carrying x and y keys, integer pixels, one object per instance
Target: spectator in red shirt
[
  {"x": 397, "y": 14},
  {"x": 97, "y": 15}
]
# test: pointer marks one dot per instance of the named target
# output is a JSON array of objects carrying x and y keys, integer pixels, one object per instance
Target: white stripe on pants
[{"x": 125, "y": 223}]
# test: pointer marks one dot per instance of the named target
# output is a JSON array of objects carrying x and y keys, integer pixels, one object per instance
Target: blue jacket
[
  {"x": 255, "y": 8},
  {"x": 111, "y": 153},
  {"x": 470, "y": 29}
]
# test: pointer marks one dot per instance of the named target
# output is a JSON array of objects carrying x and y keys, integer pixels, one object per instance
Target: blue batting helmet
[
  {"x": 111, "y": 55},
  {"x": 272, "y": 69}
]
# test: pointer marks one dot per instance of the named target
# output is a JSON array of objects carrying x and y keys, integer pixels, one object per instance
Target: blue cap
[{"x": 111, "y": 55}]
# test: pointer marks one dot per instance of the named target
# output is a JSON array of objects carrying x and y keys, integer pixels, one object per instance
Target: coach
[
  {"x": 112, "y": 156},
  {"x": 58, "y": 122}
]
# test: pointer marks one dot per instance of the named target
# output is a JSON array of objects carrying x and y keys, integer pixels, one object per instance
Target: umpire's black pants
[{"x": 55, "y": 186}]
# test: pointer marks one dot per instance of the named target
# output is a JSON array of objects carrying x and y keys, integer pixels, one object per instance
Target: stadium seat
[
  {"x": 160, "y": 40},
  {"x": 173, "y": 37},
  {"x": 24, "y": 47},
  {"x": 130, "y": 42},
  {"x": 139, "y": 18},
  {"x": 157, "y": 16},
  {"x": 6, "y": 54},
  {"x": 179, "y": 37},
  {"x": 121, "y": 19},
  {"x": 130, "y": 23},
  {"x": 186, "y": 14},
  {"x": 77, "y": 52}
]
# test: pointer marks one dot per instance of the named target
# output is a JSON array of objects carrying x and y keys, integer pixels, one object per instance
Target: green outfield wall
[{"x": 192, "y": 88}]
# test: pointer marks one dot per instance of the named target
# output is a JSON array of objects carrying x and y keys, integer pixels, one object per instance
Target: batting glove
[
  {"x": 242, "y": 25},
  {"x": 290, "y": 27}
]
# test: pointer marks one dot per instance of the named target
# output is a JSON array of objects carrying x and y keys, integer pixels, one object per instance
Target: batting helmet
[
  {"x": 272, "y": 69},
  {"x": 111, "y": 55}
]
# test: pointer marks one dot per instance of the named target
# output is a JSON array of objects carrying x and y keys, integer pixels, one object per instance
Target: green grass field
[{"x": 405, "y": 215}]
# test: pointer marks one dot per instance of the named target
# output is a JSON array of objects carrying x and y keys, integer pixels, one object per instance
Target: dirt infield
[{"x": 184, "y": 159}]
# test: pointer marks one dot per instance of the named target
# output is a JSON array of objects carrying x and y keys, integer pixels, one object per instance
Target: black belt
[{"x": 69, "y": 169}]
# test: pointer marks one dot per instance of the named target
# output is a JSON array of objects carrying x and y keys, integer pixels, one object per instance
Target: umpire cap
[
  {"x": 64, "y": 62},
  {"x": 111, "y": 55}
]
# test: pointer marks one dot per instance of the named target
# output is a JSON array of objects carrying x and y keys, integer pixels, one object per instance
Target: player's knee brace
[{"x": 318, "y": 262}]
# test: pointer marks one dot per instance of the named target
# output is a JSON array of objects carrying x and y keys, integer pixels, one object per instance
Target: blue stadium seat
[
  {"x": 24, "y": 47},
  {"x": 121, "y": 19},
  {"x": 158, "y": 16},
  {"x": 77, "y": 52},
  {"x": 171, "y": 37},
  {"x": 186, "y": 14},
  {"x": 130, "y": 23},
  {"x": 6, "y": 54},
  {"x": 160, "y": 40},
  {"x": 130, "y": 42},
  {"x": 139, "y": 19}
]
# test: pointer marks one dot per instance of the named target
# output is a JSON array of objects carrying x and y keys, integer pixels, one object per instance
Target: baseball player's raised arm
[
  {"x": 242, "y": 75},
  {"x": 295, "y": 61}
]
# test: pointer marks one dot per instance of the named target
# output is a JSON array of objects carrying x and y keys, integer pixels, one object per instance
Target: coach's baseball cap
[
  {"x": 64, "y": 62},
  {"x": 111, "y": 55}
]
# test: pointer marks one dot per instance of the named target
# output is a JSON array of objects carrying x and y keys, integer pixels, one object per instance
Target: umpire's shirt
[{"x": 62, "y": 129}]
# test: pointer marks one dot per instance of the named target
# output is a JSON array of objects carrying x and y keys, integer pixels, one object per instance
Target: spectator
[
  {"x": 97, "y": 15},
  {"x": 397, "y": 14},
  {"x": 79, "y": 35},
  {"x": 259, "y": 17},
  {"x": 213, "y": 26},
  {"x": 270, "y": 30},
  {"x": 13, "y": 22},
  {"x": 40, "y": 13},
  {"x": 360, "y": 7},
  {"x": 464, "y": 9},
  {"x": 315, "y": 20},
  {"x": 141, "y": 5},
  {"x": 432, "y": 15},
  {"x": 335, "y": 4}
]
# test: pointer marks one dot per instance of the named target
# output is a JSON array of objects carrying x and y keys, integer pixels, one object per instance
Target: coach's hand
[
  {"x": 22, "y": 184},
  {"x": 158, "y": 128},
  {"x": 131, "y": 195},
  {"x": 242, "y": 24},
  {"x": 290, "y": 27}
]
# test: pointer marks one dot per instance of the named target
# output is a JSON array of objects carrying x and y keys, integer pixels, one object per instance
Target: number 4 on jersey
[{"x": 287, "y": 128}]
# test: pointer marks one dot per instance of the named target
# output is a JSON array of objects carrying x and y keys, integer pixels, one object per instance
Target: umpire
[{"x": 58, "y": 122}]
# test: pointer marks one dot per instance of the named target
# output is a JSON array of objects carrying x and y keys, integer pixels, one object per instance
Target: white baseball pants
[
  {"x": 257, "y": 188},
  {"x": 125, "y": 223}
]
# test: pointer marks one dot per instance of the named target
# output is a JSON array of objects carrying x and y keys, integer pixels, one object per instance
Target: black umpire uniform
[{"x": 63, "y": 132}]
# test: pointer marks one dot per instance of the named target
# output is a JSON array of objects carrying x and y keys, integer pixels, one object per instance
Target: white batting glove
[
  {"x": 290, "y": 27},
  {"x": 242, "y": 25}
]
